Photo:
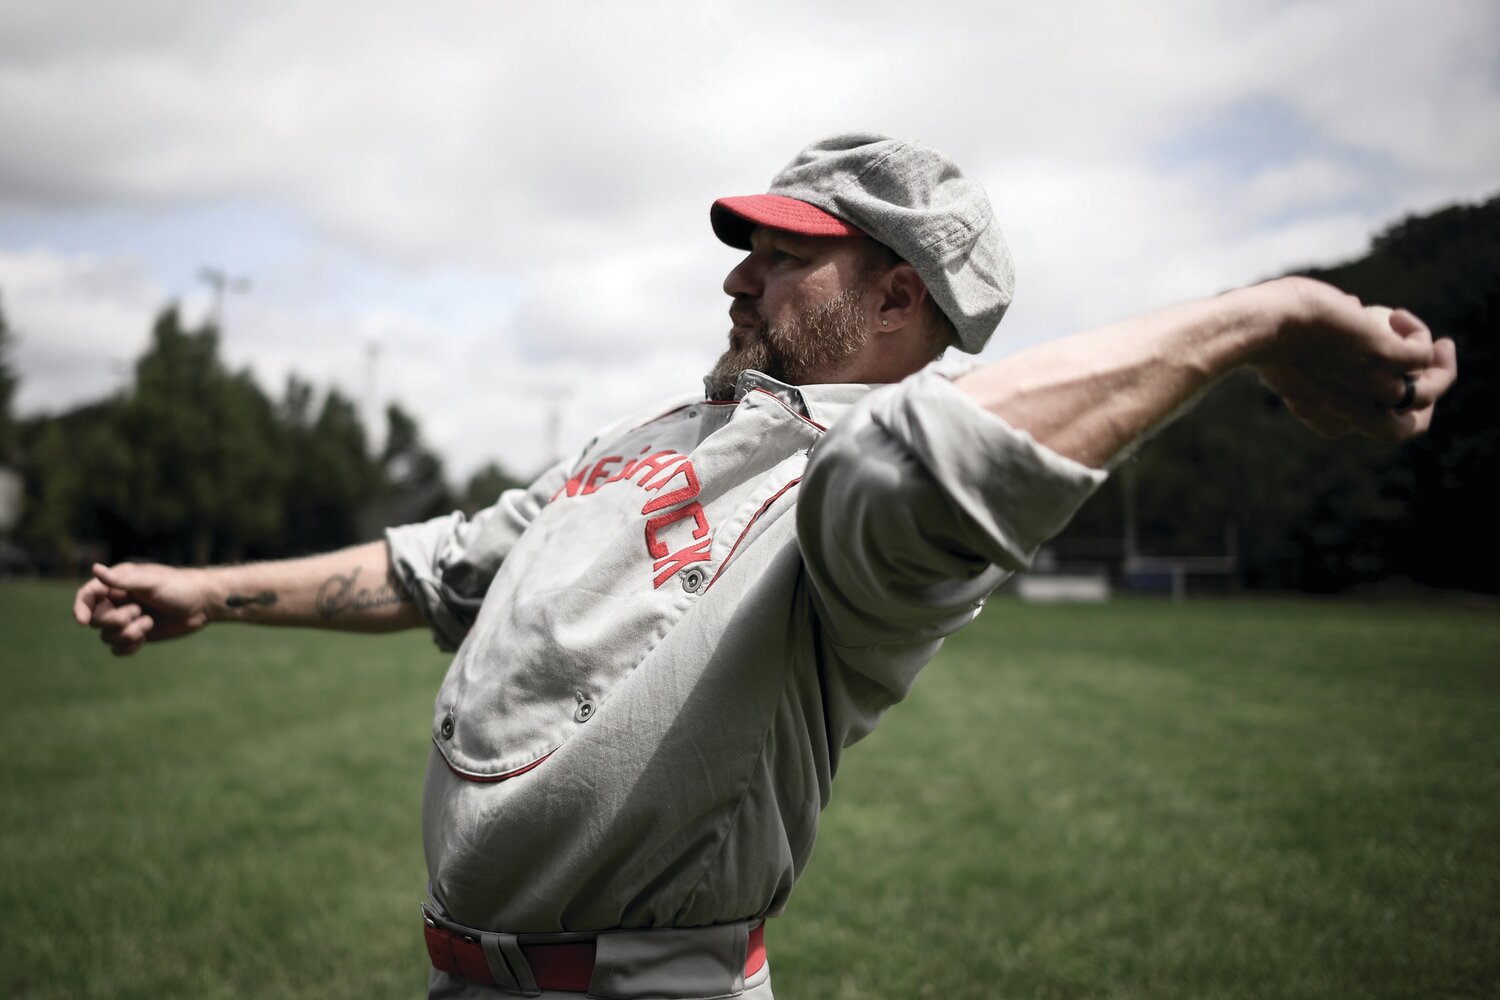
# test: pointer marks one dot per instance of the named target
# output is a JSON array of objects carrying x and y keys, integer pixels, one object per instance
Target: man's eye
[{"x": 783, "y": 257}]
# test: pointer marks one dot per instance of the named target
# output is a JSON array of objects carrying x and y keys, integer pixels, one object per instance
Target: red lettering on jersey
[
  {"x": 652, "y": 472},
  {"x": 654, "y": 464},
  {"x": 674, "y": 563},
  {"x": 572, "y": 486},
  {"x": 655, "y": 545},
  {"x": 600, "y": 468},
  {"x": 630, "y": 467},
  {"x": 687, "y": 492}
]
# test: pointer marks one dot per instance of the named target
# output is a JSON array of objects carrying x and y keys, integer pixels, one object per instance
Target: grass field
[{"x": 1260, "y": 798}]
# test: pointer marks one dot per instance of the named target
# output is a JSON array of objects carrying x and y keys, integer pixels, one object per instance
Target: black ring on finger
[{"x": 1408, "y": 395}]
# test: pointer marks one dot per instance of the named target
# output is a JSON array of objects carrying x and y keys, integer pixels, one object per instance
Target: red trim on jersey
[
  {"x": 789, "y": 408},
  {"x": 485, "y": 778},
  {"x": 763, "y": 507}
]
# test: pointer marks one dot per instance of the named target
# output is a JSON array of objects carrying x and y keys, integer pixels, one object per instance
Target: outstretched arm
[
  {"x": 353, "y": 589},
  {"x": 1340, "y": 367}
]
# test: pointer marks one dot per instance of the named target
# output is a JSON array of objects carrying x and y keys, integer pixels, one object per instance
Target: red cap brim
[{"x": 734, "y": 218}]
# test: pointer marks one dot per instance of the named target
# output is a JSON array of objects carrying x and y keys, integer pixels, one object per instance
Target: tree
[
  {"x": 332, "y": 480},
  {"x": 1446, "y": 268},
  {"x": 1326, "y": 515},
  {"x": 12, "y": 486},
  {"x": 74, "y": 468},
  {"x": 485, "y": 486},
  {"x": 205, "y": 480},
  {"x": 8, "y": 383},
  {"x": 193, "y": 463},
  {"x": 415, "y": 488}
]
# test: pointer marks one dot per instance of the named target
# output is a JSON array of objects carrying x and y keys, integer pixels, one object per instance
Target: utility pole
[
  {"x": 221, "y": 281},
  {"x": 370, "y": 406},
  {"x": 558, "y": 399}
]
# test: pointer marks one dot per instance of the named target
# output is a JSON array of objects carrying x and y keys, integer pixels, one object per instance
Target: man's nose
[{"x": 744, "y": 279}]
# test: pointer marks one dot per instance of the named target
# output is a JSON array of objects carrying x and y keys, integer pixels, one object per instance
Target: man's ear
[{"x": 902, "y": 293}]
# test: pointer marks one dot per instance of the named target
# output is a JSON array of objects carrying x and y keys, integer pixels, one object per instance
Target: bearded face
[{"x": 800, "y": 351}]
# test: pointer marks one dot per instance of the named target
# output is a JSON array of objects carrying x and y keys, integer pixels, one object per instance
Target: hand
[
  {"x": 1341, "y": 367},
  {"x": 134, "y": 604}
]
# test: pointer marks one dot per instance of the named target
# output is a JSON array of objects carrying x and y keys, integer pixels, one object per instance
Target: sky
[{"x": 496, "y": 214}]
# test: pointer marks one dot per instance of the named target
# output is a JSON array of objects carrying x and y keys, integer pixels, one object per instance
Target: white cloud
[
  {"x": 518, "y": 192},
  {"x": 79, "y": 323},
  {"x": 1415, "y": 83},
  {"x": 1302, "y": 185}
]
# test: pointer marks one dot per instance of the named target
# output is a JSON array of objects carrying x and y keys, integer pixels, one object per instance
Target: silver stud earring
[{"x": 884, "y": 323}]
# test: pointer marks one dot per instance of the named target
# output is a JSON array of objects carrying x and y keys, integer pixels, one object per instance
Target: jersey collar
[{"x": 822, "y": 404}]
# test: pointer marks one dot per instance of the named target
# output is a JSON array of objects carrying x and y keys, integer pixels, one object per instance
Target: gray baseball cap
[{"x": 904, "y": 194}]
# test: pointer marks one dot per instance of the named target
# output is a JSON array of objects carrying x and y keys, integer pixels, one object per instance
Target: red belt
[{"x": 560, "y": 966}]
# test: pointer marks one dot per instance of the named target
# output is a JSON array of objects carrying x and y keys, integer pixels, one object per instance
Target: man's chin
[
  {"x": 744, "y": 338},
  {"x": 721, "y": 381}
]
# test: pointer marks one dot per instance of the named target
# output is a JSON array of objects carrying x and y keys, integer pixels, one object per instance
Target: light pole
[
  {"x": 221, "y": 281},
  {"x": 370, "y": 407}
]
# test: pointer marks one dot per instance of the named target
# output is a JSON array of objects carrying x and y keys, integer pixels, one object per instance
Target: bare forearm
[
  {"x": 1340, "y": 367},
  {"x": 1089, "y": 396},
  {"x": 352, "y": 589}
]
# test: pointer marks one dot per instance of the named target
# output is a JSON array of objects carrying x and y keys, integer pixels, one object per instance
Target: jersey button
[
  {"x": 446, "y": 729},
  {"x": 692, "y": 580},
  {"x": 585, "y": 710}
]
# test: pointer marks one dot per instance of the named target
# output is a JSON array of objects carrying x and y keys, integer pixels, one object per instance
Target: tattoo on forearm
[
  {"x": 265, "y": 598},
  {"x": 340, "y": 593}
]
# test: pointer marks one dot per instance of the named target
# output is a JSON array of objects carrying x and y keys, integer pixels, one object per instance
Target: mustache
[{"x": 744, "y": 314}]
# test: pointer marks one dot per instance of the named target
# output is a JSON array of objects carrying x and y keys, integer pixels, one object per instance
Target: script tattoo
[
  {"x": 341, "y": 593},
  {"x": 265, "y": 598}
]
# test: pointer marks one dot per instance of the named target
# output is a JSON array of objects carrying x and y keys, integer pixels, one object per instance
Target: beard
[{"x": 797, "y": 352}]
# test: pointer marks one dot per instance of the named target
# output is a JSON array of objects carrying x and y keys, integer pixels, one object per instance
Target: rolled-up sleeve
[
  {"x": 447, "y": 563},
  {"x": 916, "y": 505}
]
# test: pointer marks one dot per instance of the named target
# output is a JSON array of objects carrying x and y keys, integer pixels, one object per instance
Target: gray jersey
[{"x": 665, "y": 645}]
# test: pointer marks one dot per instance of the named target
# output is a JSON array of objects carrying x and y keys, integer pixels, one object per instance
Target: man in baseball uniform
[{"x": 665, "y": 643}]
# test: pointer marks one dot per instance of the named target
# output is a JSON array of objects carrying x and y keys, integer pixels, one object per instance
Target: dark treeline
[
  {"x": 194, "y": 463},
  {"x": 1317, "y": 515}
]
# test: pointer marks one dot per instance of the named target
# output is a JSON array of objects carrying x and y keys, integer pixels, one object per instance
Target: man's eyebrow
[
  {"x": 770, "y": 236},
  {"x": 763, "y": 236}
]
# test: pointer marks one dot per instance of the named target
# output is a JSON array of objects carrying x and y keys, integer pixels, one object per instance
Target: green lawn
[{"x": 1263, "y": 798}]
